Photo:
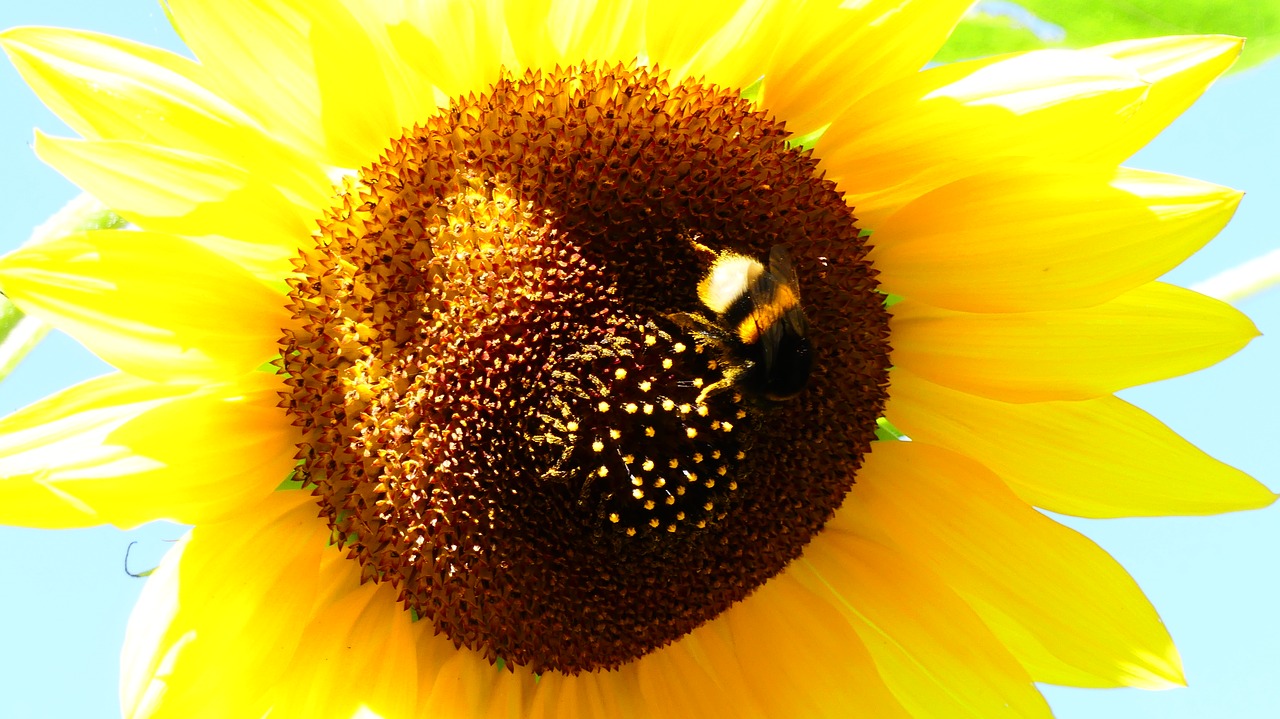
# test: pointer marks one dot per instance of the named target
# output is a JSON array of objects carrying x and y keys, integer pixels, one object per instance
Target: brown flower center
[{"x": 501, "y": 416}]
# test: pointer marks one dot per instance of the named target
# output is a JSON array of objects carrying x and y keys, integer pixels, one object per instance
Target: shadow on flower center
[{"x": 500, "y": 416}]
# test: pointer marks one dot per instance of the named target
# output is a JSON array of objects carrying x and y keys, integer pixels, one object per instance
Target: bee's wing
[
  {"x": 784, "y": 275},
  {"x": 763, "y": 291}
]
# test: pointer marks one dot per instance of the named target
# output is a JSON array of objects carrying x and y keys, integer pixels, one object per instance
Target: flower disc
[{"x": 500, "y": 416}]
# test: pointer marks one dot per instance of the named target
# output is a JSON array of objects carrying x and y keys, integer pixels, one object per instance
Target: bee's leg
[
  {"x": 699, "y": 247},
  {"x": 725, "y": 382},
  {"x": 702, "y": 329}
]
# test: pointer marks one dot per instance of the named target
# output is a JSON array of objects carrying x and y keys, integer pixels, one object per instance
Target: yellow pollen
[
  {"x": 715, "y": 424},
  {"x": 638, "y": 481},
  {"x": 697, "y": 381},
  {"x": 678, "y": 347},
  {"x": 686, "y": 409},
  {"x": 639, "y": 494},
  {"x": 648, "y": 409},
  {"x": 650, "y": 340},
  {"x": 666, "y": 364},
  {"x": 598, "y": 446},
  {"x": 628, "y": 458},
  {"x": 631, "y": 408},
  {"x": 648, "y": 465},
  {"x": 615, "y": 434},
  {"x": 691, "y": 432},
  {"x": 660, "y": 482},
  {"x": 603, "y": 407},
  {"x": 620, "y": 373},
  {"x": 645, "y": 386},
  {"x": 668, "y": 405},
  {"x": 726, "y": 426},
  {"x": 613, "y": 517},
  {"x": 603, "y": 471},
  {"x": 571, "y": 426},
  {"x": 702, "y": 410}
]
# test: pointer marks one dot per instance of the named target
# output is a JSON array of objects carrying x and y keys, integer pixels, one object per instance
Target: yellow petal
[
  {"x": 723, "y": 42},
  {"x": 829, "y": 55},
  {"x": 545, "y": 33},
  {"x": 113, "y": 89},
  {"x": 785, "y": 636},
  {"x": 596, "y": 694},
  {"x": 348, "y": 65},
  {"x": 429, "y": 37},
  {"x": 685, "y": 678},
  {"x": 1016, "y": 240},
  {"x": 1093, "y": 458},
  {"x": 933, "y": 652},
  {"x": 366, "y": 633},
  {"x": 106, "y": 87},
  {"x": 1067, "y": 610},
  {"x": 944, "y": 123},
  {"x": 125, "y": 451},
  {"x": 153, "y": 305},
  {"x": 217, "y": 621},
  {"x": 457, "y": 682},
  {"x": 1153, "y": 332},
  {"x": 1179, "y": 70},
  {"x": 258, "y": 56},
  {"x": 167, "y": 190}
]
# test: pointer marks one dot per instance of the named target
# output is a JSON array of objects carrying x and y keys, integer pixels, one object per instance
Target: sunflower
[{"x": 409, "y": 331}]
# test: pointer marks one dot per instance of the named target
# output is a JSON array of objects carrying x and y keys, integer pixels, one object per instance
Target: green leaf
[
  {"x": 886, "y": 432},
  {"x": 996, "y": 26},
  {"x": 19, "y": 334}
]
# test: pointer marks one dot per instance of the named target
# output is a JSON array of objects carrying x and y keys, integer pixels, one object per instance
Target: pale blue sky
[{"x": 1216, "y": 581}]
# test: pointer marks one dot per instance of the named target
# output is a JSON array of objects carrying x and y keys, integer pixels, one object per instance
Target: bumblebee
[{"x": 757, "y": 323}]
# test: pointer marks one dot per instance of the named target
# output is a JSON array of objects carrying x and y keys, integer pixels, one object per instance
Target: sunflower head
[
  {"x": 501, "y": 416},
  {"x": 511, "y": 356}
]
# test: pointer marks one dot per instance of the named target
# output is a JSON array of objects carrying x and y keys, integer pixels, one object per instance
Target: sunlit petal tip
[
  {"x": 1033, "y": 238},
  {"x": 1099, "y": 457},
  {"x": 1158, "y": 58},
  {"x": 941, "y": 124},
  {"x": 1152, "y": 332},
  {"x": 1068, "y": 611},
  {"x": 1179, "y": 69},
  {"x": 151, "y": 304},
  {"x": 124, "y": 451}
]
